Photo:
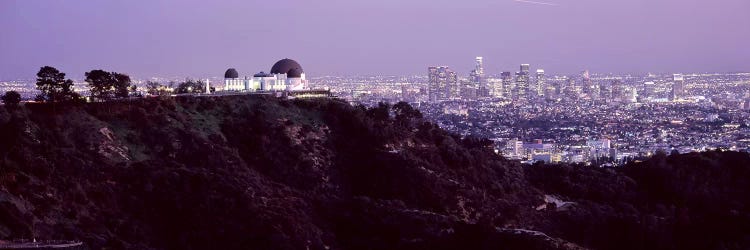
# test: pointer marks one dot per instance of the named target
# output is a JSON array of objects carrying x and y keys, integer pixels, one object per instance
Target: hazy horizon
[{"x": 192, "y": 38}]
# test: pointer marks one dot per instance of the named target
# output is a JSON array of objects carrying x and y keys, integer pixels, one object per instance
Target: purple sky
[{"x": 203, "y": 38}]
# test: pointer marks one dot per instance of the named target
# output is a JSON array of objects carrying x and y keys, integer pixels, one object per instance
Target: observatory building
[{"x": 285, "y": 75}]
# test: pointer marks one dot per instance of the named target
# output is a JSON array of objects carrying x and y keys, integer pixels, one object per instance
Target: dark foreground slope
[
  {"x": 250, "y": 172},
  {"x": 689, "y": 201}
]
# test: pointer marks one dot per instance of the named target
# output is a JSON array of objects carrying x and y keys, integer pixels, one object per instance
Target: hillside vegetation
[{"x": 254, "y": 172}]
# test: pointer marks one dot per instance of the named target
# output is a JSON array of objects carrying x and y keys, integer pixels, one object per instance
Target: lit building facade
[
  {"x": 286, "y": 75},
  {"x": 478, "y": 79},
  {"x": 443, "y": 84},
  {"x": 678, "y": 86},
  {"x": 522, "y": 83},
  {"x": 540, "y": 85},
  {"x": 586, "y": 85},
  {"x": 508, "y": 84}
]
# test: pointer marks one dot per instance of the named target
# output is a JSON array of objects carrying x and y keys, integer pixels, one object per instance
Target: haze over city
[{"x": 199, "y": 38}]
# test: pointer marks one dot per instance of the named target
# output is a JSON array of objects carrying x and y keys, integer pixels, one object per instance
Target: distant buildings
[
  {"x": 618, "y": 91},
  {"x": 605, "y": 91},
  {"x": 649, "y": 91},
  {"x": 632, "y": 96},
  {"x": 496, "y": 86},
  {"x": 572, "y": 90},
  {"x": 586, "y": 85},
  {"x": 469, "y": 91},
  {"x": 514, "y": 149},
  {"x": 456, "y": 109},
  {"x": 638, "y": 118},
  {"x": 535, "y": 151},
  {"x": 540, "y": 86},
  {"x": 442, "y": 84},
  {"x": 601, "y": 148},
  {"x": 508, "y": 84},
  {"x": 678, "y": 87},
  {"x": 522, "y": 87},
  {"x": 478, "y": 79},
  {"x": 522, "y": 83}
]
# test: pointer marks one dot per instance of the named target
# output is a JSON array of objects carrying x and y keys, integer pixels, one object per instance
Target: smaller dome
[
  {"x": 294, "y": 73},
  {"x": 231, "y": 73}
]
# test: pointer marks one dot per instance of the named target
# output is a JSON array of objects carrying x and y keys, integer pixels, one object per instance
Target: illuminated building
[
  {"x": 286, "y": 75},
  {"x": 443, "y": 84}
]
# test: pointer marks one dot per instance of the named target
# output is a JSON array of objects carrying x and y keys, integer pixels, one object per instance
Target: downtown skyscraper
[
  {"x": 539, "y": 84},
  {"x": 522, "y": 83},
  {"x": 478, "y": 79},
  {"x": 508, "y": 84},
  {"x": 442, "y": 84},
  {"x": 678, "y": 87},
  {"x": 586, "y": 85}
]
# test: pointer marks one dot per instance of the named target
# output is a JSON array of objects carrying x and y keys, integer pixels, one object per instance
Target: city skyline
[{"x": 195, "y": 39}]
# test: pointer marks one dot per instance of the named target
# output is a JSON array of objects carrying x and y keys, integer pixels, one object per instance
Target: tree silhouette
[
  {"x": 152, "y": 87},
  {"x": 122, "y": 83},
  {"x": 11, "y": 98},
  {"x": 101, "y": 84},
  {"x": 405, "y": 113},
  {"x": 381, "y": 112},
  {"x": 53, "y": 85},
  {"x": 190, "y": 86},
  {"x": 107, "y": 85}
]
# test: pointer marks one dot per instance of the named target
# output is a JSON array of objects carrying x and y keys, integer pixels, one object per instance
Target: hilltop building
[{"x": 285, "y": 75}]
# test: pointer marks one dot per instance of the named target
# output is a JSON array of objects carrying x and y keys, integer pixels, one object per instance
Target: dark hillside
[
  {"x": 689, "y": 201},
  {"x": 257, "y": 172},
  {"x": 249, "y": 171}
]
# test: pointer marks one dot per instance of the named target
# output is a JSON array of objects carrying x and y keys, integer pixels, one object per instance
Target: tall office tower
[
  {"x": 540, "y": 80},
  {"x": 478, "y": 79},
  {"x": 649, "y": 91},
  {"x": 514, "y": 148},
  {"x": 571, "y": 90},
  {"x": 595, "y": 90},
  {"x": 550, "y": 91},
  {"x": 617, "y": 89},
  {"x": 443, "y": 84},
  {"x": 404, "y": 95},
  {"x": 508, "y": 84},
  {"x": 521, "y": 89},
  {"x": 469, "y": 91},
  {"x": 678, "y": 86},
  {"x": 586, "y": 82},
  {"x": 525, "y": 68},
  {"x": 496, "y": 85},
  {"x": 479, "y": 67},
  {"x": 632, "y": 96},
  {"x": 522, "y": 83},
  {"x": 560, "y": 87},
  {"x": 605, "y": 90}
]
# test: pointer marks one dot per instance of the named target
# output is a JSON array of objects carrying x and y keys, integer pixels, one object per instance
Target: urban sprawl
[{"x": 587, "y": 118}]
